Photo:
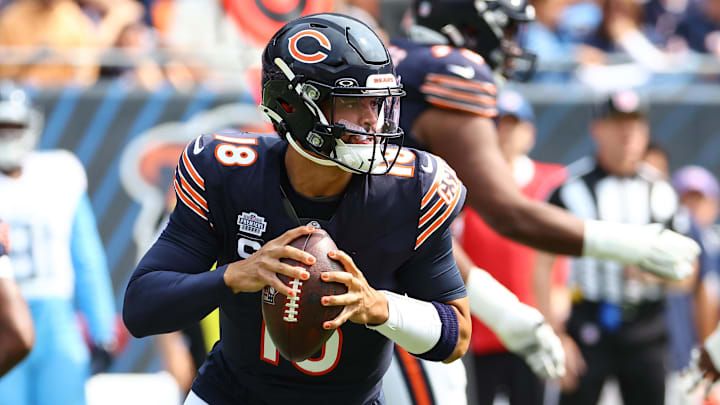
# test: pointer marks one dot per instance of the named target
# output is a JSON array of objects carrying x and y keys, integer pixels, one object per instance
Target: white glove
[
  {"x": 712, "y": 347},
  {"x": 704, "y": 367},
  {"x": 693, "y": 376},
  {"x": 545, "y": 355},
  {"x": 536, "y": 343},
  {"x": 651, "y": 247},
  {"x": 521, "y": 328}
]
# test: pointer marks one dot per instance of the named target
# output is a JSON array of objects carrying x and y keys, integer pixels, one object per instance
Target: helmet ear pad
[{"x": 297, "y": 118}]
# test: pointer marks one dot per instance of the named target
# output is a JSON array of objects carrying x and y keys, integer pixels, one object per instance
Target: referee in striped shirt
[{"x": 616, "y": 325}]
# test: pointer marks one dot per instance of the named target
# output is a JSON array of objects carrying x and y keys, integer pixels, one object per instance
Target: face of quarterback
[
  {"x": 621, "y": 142},
  {"x": 356, "y": 113}
]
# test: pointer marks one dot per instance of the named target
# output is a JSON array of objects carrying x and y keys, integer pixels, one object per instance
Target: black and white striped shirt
[{"x": 592, "y": 193}]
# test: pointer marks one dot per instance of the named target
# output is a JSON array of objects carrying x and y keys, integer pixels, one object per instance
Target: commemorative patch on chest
[{"x": 251, "y": 223}]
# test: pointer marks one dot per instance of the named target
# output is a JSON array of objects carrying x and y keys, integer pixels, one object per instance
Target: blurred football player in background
[
  {"x": 58, "y": 260},
  {"x": 500, "y": 373},
  {"x": 455, "y": 53},
  {"x": 617, "y": 324},
  {"x": 17, "y": 334},
  {"x": 330, "y": 90}
]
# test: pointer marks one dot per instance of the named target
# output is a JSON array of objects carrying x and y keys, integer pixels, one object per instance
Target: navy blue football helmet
[
  {"x": 488, "y": 27},
  {"x": 313, "y": 65}
]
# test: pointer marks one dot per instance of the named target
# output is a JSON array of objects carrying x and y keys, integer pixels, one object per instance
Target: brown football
[{"x": 295, "y": 323}]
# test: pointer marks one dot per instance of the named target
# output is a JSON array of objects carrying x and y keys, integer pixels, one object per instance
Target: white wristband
[
  {"x": 712, "y": 347},
  {"x": 413, "y": 324},
  {"x": 513, "y": 321}
]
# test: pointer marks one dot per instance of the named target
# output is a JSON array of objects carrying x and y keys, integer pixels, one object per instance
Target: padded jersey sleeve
[
  {"x": 171, "y": 286},
  {"x": 457, "y": 79},
  {"x": 431, "y": 273}
]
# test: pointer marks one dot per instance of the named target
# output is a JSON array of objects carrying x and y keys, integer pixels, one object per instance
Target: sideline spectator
[
  {"x": 699, "y": 192},
  {"x": 617, "y": 324}
]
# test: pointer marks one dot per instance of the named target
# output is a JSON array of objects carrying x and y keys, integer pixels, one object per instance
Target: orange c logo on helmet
[{"x": 316, "y": 57}]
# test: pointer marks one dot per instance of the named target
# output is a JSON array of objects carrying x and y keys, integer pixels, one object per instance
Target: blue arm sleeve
[
  {"x": 93, "y": 288},
  {"x": 171, "y": 287},
  {"x": 432, "y": 274}
]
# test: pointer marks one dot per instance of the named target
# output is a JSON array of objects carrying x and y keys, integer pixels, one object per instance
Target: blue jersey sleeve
[
  {"x": 444, "y": 77},
  {"x": 93, "y": 288},
  {"x": 171, "y": 286},
  {"x": 431, "y": 273}
]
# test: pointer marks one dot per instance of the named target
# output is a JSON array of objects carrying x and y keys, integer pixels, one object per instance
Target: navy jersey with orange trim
[
  {"x": 444, "y": 77},
  {"x": 395, "y": 227}
]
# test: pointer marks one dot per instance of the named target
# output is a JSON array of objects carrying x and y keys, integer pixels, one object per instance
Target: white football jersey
[
  {"x": 40, "y": 208},
  {"x": 5, "y": 268}
]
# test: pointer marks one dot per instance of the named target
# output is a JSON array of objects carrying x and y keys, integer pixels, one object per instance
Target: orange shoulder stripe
[
  {"x": 462, "y": 83},
  {"x": 430, "y": 213},
  {"x": 188, "y": 202},
  {"x": 191, "y": 169},
  {"x": 195, "y": 196},
  {"x": 447, "y": 104},
  {"x": 433, "y": 188},
  {"x": 434, "y": 89},
  {"x": 437, "y": 222}
]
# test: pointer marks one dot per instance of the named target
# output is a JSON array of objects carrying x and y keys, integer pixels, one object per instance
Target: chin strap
[
  {"x": 306, "y": 155},
  {"x": 356, "y": 156}
]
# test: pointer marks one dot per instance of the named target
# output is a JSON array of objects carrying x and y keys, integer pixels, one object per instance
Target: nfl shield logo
[{"x": 268, "y": 295}]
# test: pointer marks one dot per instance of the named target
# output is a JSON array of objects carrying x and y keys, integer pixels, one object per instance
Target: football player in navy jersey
[
  {"x": 330, "y": 90},
  {"x": 456, "y": 54}
]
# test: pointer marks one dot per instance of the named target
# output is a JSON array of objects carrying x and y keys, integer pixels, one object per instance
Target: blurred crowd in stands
[
  {"x": 182, "y": 44},
  {"x": 185, "y": 42}
]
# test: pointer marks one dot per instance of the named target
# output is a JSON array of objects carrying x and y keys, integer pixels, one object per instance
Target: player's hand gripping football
[
  {"x": 262, "y": 267},
  {"x": 363, "y": 304}
]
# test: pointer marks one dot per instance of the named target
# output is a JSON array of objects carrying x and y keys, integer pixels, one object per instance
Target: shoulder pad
[
  {"x": 458, "y": 79},
  {"x": 190, "y": 175},
  {"x": 206, "y": 156}
]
